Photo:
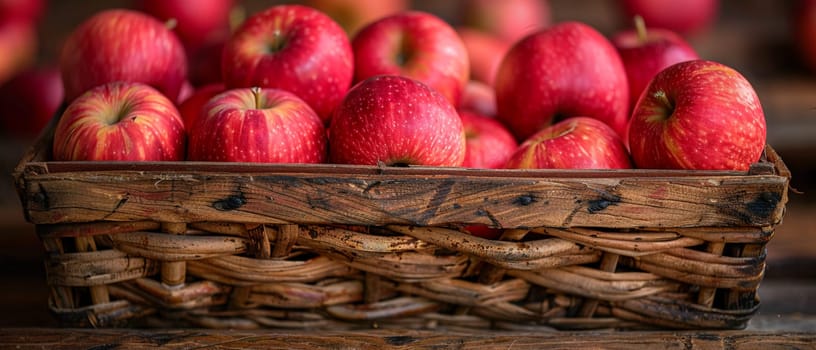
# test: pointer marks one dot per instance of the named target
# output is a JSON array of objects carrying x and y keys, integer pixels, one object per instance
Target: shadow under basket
[{"x": 237, "y": 245}]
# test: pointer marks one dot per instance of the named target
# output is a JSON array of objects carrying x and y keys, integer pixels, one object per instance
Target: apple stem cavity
[
  {"x": 404, "y": 52},
  {"x": 401, "y": 59},
  {"x": 256, "y": 92},
  {"x": 278, "y": 41},
  {"x": 640, "y": 27},
  {"x": 559, "y": 117},
  {"x": 120, "y": 113},
  {"x": 664, "y": 100}
]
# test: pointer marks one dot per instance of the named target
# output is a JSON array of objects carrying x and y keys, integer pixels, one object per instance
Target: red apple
[
  {"x": 567, "y": 70},
  {"x": 26, "y": 11},
  {"x": 697, "y": 115},
  {"x": 196, "y": 22},
  {"x": 684, "y": 17},
  {"x": 202, "y": 26},
  {"x": 483, "y": 231},
  {"x": 187, "y": 90},
  {"x": 190, "y": 109},
  {"x": 645, "y": 53},
  {"x": 353, "y": 15},
  {"x": 574, "y": 143},
  {"x": 122, "y": 45},
  {"x": 294, "y": 48},
  {"x": 489, "y": 143},
  {"x": 485, "y": 52},
  {"x": 804, "y": 32},
  {"x": 260, "y": 126},
  {"x": 395, "y": 120},
  {"x": 205, "y": 64},
  {"x": 29, "y": 101},
  {"x": 480, "y": 98},
  {"x": 120, "y": 121},
  {"x": 18, "y": 47},
  {"x": 417, "y": 45},
  {"x": 509, "y": 19}
]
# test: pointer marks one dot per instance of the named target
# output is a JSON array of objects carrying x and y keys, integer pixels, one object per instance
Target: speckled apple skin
[
  {"x": 644, "y": 58},
  {"x": 122, "y": 45},
  {"x": 574, "y": 143},
  {"x": 567, "y": 70},
  {"x": 714, "y": 121},
  {"x": 417, "y": 45},
  {"x": 283, "y": 129},
  {"x": 489, "y": 143},
  {"x": 312, "y": 59},
  {"x": 392, "y": 120},
  {"x": 120, "y": 121}
]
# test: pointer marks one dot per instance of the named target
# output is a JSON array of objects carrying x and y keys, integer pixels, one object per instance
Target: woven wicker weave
[{"x": 219, "y": 245}]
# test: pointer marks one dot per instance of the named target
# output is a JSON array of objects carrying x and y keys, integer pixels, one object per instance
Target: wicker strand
[
  {"x": 737, "y": 299},
  {"x": 259, "y": 245},
  {"x": 706, "y": 296},
  {"x": 62, "y": 297},
  {"x": 609, "y": 263},
  {"x": 239, "y": 297},
  {"x": 285, "y": 240},
  {"x": 373, "y": 288},
  {"x": 99, "y": 294},
  {"x": 490, "y": 273},
  {"x": 173, "y": 273}
]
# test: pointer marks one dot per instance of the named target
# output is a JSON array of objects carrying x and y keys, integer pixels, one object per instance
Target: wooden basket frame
[{"x": 237, "y": 245}]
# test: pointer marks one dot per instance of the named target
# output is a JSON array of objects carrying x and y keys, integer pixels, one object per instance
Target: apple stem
[
  {"x": 640, "y": 27},
  {"x": 256, "y": 92},
  {"x": 660, "y": 95},
  {"x": 237, "y": 15},
  {"x": 171, "y": 23}
]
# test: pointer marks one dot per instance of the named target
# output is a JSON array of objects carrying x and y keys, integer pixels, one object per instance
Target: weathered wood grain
[
  {"x": 398, "y": 339},
  {"x": 63, "y": 192},
  {"x": 360, "y": 198}
]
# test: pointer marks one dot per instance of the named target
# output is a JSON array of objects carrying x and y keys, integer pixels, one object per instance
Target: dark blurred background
[{"x": 756, "y": 37}]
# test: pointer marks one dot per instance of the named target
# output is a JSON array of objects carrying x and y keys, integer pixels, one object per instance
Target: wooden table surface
[{"x": 36, "y": 338}]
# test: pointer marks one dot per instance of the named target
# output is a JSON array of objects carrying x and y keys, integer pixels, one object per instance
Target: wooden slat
[
  {"x": 375, "y": 199},
  {"x": 398, "y": 339}
]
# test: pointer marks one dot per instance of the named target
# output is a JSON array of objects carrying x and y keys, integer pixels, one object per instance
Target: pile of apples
[
  {"x": 405, "y": 88},
  {"x": 26, "y": 89}
]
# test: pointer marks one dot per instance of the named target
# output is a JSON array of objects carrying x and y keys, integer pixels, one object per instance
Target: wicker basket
[{"x": 219, "y": 245}]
